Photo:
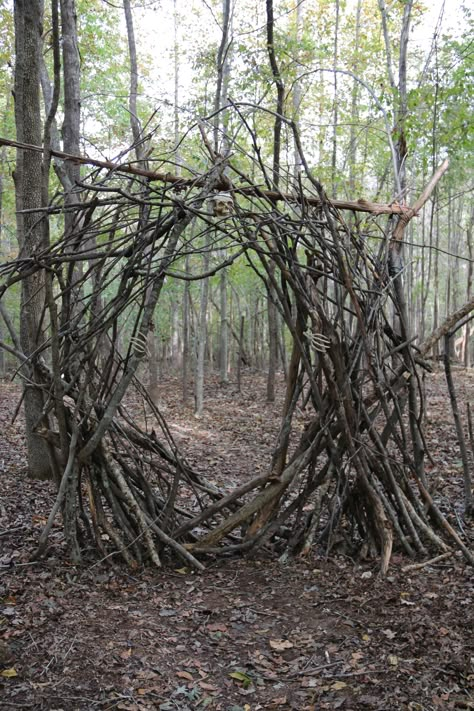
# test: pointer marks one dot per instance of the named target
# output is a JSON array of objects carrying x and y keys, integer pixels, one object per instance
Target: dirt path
[{"x": 246, "y": 635}]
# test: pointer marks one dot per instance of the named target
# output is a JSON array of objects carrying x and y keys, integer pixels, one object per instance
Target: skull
[{"x": 221, "y": 204}]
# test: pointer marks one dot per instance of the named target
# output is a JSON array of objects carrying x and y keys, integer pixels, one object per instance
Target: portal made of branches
[{"x": 353, "y": 481}]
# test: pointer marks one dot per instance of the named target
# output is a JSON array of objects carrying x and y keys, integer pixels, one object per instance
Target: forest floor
[{"x": 247, "y": 634}]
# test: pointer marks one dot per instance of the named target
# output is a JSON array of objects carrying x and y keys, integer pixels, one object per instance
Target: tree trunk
[
  {"x": 354, "y": 105},
  {"x": 201, "y": 338},
  {"x": 222, "y": 67},
  {"x": 297, "y": 93},
  {"x": 72, "y": 97},
  {"x": 335, "y": 104},
  {"x": 224, "y": 330},
  {"x": 186, "y": 333},
  {"x": 272, "y": 343},
  {"x": 470, "y": 280},
  {"x": 132, "y": 51},
  {"x": 2, "y": 252},
  {"x": 240, "y": 353},
  {"x": 271, "y": 308},
  {"x": 28, "y": 186}
]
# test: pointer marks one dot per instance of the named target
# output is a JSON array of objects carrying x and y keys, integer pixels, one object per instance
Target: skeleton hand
[{"x": 318, "y": 341}]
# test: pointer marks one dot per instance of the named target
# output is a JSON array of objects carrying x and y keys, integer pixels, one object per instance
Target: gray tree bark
[
  {"x": 140, "y": 152},
  {"x": 272, "y": 312},
  {"x": 224, "y": 329},
  {"x": 28, "y": 16}
]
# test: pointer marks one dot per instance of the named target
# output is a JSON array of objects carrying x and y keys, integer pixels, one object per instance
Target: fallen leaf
[
  {"x": 338, "y": 685},
  {"x": 280, "y": 644},
  {"x": 356, "y": 657},
  {"x": 392, "y": 660},
  {"x": 279, "y": 701},
  {"x": 9, "y": 673},
  {"x": 207, "y": 687},
  {"x": 217, "y": 627},
  {"x": 185, "y": 675},
  {"x": 241, "y": 676}
]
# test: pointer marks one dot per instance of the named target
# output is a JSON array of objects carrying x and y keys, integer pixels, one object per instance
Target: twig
[
  {"x": 313, "y": 670},
  {"x": 419, "y": 566},
  {"x": 11, "y": 530},
  {"x": 356, "y": 673},
  {"x": 70, "y": 647}
]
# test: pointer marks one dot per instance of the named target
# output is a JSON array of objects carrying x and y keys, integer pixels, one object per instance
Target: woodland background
[
  {"x": 343, "y": 123},
  {"x": 222, "y": 319}
]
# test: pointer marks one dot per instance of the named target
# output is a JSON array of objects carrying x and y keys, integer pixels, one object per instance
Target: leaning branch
[
  {"x": 446, "y": 326},
  {"x": 180, "y": 183},
  {"x": 413, "y": 211}
]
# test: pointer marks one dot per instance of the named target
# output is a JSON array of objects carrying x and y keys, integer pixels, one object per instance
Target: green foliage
[
  {"x": 440, "y": 100},
  {"x": 104, "y": 74}
]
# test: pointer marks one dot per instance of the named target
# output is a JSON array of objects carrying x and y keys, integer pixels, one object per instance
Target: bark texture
[{"x": 28, "y": 189}]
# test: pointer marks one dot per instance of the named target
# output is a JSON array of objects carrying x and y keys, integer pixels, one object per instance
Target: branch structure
[{"x": 349, "y": 478}]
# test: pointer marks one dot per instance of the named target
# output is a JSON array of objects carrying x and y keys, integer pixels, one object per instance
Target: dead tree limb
[{"x": 181, "y": 183}]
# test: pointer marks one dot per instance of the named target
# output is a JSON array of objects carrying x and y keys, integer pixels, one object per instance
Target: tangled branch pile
[{"x": 355, "y": 476}]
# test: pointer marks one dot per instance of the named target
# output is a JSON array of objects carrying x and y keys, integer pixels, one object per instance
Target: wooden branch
[
  {"x": 413, "y": 211},
  {"x": 431, "y": 561},
  {"x": 360, "y": 205},
  {"x": 446, "y": 326}
]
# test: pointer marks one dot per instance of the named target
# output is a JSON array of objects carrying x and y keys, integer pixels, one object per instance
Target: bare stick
[{"x": 431, "y": 561}]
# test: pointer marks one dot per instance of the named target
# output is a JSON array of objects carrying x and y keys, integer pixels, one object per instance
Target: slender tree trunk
[
  {"x": 272, "y": 313},
  {"x": 224, "y": 329},
  {"x": 297, "y": 94},
  {"x": 240, "y": 353},
  {"x": 354, "y": 105},
  {"x": 72, "y": 95},
  {"x": 153, "y": 365},
  {"x": 469, "y": 290},
  {"x": 436, "y": 305},
  {"x": 176, "y": 350},
  {"x": 132, "y": 52},
  {"x": 3, "y": 251},
  {"x": 71, "y": 172},
  {"x": 272, "y": 341},
  {"x": 277, "y": 80},
  {"x": 222, "y": 67},
  {"x": 201, "y": 339},
  {"x": 176, "y": 84},
  {"x": 335, "y": 104},
  {"x": 186, "y": 333},
  {"x": 140, "y": 152}
]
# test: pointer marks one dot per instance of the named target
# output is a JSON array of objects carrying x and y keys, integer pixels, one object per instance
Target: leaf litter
[{"x": 247, "y": 635}]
